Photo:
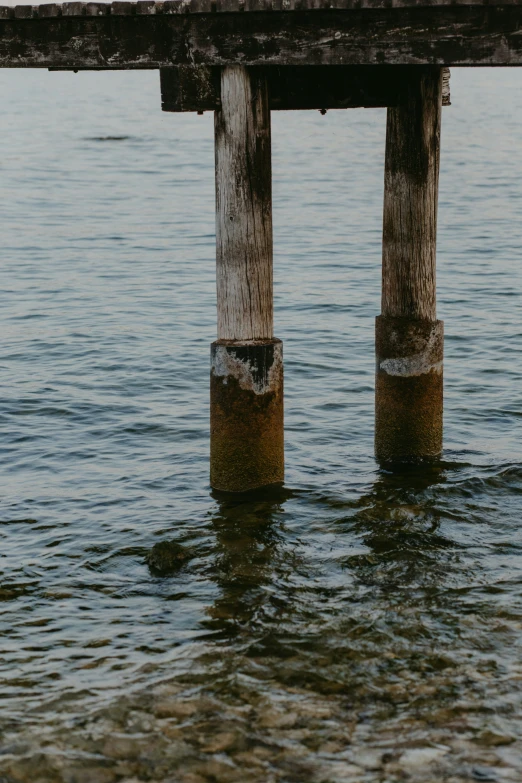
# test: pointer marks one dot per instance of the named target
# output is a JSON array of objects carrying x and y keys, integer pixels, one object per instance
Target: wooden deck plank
[
  {"x": 169, "y": 7},
  {"x": 51, "y": 9},
  {"x": 23, "y": 11},
  {"x": 96, "y": 35},
  {"x": 73, "y": 9}
]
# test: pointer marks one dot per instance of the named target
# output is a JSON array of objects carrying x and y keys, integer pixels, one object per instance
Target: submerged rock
[
  {"x": 484, "y": 773},
  {"x": 493, "y": 737},
  {"x": 167, "y": 557}
]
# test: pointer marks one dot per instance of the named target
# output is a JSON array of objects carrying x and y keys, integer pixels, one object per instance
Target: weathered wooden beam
[
  {"x": 409, "y": 339},
  {"x": 169, "y": 7},
  {"x": 198, "y": 88},
  {"x": 246, "y": 381},
  {"x": 436, "y": 34}
]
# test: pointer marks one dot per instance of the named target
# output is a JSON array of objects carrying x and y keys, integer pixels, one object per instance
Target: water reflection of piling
[
  {"x": 399, "y": 524},
  {"x": 247, "y": 541}
]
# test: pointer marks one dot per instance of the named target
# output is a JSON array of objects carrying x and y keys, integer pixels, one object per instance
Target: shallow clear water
[{"x": 354, "y": 626}]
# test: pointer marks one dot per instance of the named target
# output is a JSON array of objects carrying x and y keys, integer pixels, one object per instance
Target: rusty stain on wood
[
  {"x": 408, "y": 389},
  {"x": 246, "y": 415}
]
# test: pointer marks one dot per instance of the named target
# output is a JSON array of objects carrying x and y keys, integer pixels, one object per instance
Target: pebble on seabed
[
  {"x": 167, "y": 557},
  {"x": 484, "y": 773}
]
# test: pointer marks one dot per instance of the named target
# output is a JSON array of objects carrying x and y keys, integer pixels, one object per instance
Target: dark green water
[{"x": 354, "y": 626}]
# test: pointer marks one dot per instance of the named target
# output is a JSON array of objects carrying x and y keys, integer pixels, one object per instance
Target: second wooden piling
[
  {"x": 246, "y": 403},
  {"x": 409, "y": 338}
]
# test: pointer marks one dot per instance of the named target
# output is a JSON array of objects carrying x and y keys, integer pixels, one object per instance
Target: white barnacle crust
[
  {"x": 426, "y": 359},
  {"x": 226, "y": 364},
  {"x": 410, "y": 365}
]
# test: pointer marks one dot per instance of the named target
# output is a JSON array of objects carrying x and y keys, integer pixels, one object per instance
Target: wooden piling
[
  {"x": 409, "y": 338},
  {"x": 246, "y": 406}
]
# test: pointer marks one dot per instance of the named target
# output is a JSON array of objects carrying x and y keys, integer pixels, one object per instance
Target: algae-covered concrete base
[
  {"x": 409, "y": 389},
  {"x": 246, "y": 414}
]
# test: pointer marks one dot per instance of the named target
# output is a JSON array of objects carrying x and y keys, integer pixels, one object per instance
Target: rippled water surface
[{"x": 353, "y": 626}]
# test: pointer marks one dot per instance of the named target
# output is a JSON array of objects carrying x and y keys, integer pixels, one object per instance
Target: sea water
[{"x": 355, "y": 625}]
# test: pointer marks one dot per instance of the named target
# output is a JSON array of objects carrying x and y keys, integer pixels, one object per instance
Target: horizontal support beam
[
  {"x": 198, "y": 88},
  {"x": 169, "y": 7},
  {"x": 437, "y": 35}
]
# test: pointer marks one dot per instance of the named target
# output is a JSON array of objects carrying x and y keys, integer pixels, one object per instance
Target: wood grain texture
[
  {"x": 443, "y": 35},
  {"x": 411, "y": 178},
  {"x": 146, "y": 7},
  {"x": 243, "y": 208}
]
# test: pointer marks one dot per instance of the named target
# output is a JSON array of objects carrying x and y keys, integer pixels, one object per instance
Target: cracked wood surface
[
  {"x": 243, "y": 207},
  {"x": 411, "y": 178}
]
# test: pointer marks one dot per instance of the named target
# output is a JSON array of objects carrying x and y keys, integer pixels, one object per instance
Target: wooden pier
[{"x": 243, "y": 59}]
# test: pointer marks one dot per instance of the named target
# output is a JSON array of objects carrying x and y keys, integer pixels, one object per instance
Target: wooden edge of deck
[
  {"x": 189, "y": 88},
  {"x": 149, "y": 7}
]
